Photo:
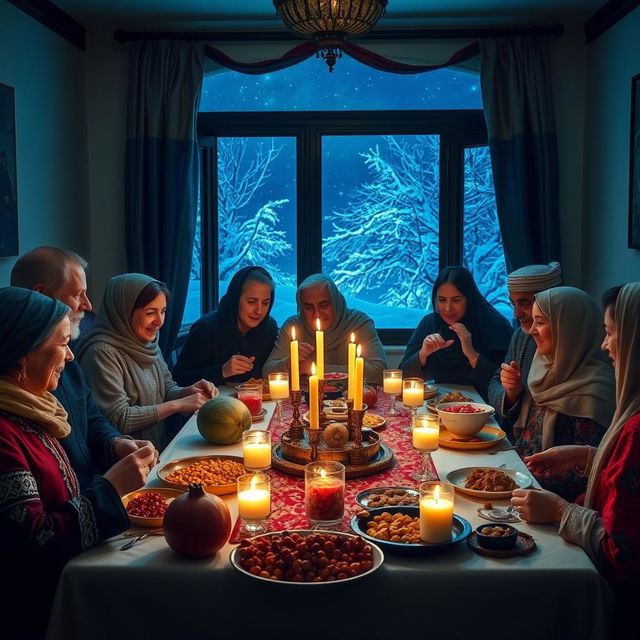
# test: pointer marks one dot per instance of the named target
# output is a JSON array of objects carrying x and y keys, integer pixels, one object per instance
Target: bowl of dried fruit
[
  {"x": 464, "y": 419},
  {"x": 497, "y": 536}
]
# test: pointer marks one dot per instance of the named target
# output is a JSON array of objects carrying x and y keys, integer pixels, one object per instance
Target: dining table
[{"x": 148, "y": 591}]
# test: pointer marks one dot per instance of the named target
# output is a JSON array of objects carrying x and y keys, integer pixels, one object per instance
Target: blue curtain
[
  {"x": 516, "y": 91},
  {"x": 161, "y": 167}
]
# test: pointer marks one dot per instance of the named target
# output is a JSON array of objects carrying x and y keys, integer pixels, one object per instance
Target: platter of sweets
[
  {"x": 488, "y": 482},
  {"x": 306, "y": 559},
  {"x": 216, "y": 473},
  {"x": 146, "y": 507}
]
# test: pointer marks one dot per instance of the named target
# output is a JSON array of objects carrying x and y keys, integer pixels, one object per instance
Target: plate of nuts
[
  {"x": 387, "y": 497},
  {"x": 216, "y": 473},
  {"x": 397, "y": 530}
]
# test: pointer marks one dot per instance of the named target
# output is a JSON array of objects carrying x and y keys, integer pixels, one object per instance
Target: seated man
[
  {"x": 509, "y": 383},
  {"x": 93, "y": 444}
]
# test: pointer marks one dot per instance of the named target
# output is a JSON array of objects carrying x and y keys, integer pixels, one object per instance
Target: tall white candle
[
  {"x": 357, "y": 391},
  {"x": 314, "y": 409},
  {"x": 351, "y": 370},
  {"x": 319, "y": 351},
  {"x": 294, "y": 361}
]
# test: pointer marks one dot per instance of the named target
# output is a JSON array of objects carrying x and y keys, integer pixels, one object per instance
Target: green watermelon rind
[{"x": 224, "y": 429}]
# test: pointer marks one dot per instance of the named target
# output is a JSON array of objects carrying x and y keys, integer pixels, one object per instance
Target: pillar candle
[
  {"x": 257, "y": 455},
  {"x": 294, "y": 361},
  {"x": 314, "y": 409},
  {"x": 253, "y": 503},
  {"x": 436, "y": 518},
  {"x": 279, "y": 388},
  {"x": 351, "y": 370},
  {"x": 319, "y": 351},
  {"x": 425, "y": 438},
  {"x": 357, "y": 391},
  {"x": 413, "y": 396}
]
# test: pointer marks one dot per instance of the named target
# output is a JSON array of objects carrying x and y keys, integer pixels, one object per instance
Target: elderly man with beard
[
  {"x": 509, "y": 383},
  {"x": 93, "y": 445}
]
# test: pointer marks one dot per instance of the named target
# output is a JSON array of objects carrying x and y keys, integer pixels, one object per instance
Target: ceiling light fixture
[{"x": 330, "y": 22}]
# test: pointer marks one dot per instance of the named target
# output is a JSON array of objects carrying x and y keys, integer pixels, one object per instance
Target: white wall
[
  {"x": 613, "y": 59},
  {"x": 47, "y": 74}
]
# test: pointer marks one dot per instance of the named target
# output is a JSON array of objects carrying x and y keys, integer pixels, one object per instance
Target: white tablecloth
[{"x": 148, "y": 591}]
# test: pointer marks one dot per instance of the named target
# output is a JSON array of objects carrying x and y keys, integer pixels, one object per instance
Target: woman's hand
[
  {"x": 556, "y": 460},
  {"x": 466, "y": 342},
  {"x": 538, "y": 506},
  {"x": 237, "y": 365},
  {"x": 203, "y": 386},
  {"x": 131, "y": 472},
  {"x": 191, "y": 403},
  {"x": 511, "y": 380},
  {"x": 432, "y": 343},
  {"x": 122, "y": 447}
]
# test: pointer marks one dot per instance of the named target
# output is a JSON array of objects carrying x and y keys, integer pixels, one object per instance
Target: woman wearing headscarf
[
  {"x": 606, "y": 521},
  {"x": 571, "y": 389},
  {"x": 44, "y": 517},
  {"x": 232, "y": 343},
  {"x": 319, "y": 298},
  {"x": 124, "y": 366},
  {"x": 463, "y": 341}
]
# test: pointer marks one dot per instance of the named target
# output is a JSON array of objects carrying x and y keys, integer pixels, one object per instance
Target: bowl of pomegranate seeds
[
  {"x": 146, "y": 507},
  {"x": 464, "y": 419}
]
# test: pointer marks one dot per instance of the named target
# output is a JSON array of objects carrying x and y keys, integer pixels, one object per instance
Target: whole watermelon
[{"x": 222, "y": 420}]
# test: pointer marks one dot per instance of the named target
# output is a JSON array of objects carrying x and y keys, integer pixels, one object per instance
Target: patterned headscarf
[{"x": 535, "y": 277}]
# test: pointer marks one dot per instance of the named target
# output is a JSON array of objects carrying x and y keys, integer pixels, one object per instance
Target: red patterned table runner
[{"x": 287, "y": 492}]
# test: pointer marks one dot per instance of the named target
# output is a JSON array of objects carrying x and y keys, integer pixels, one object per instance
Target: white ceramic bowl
[{"x": 464, "y": 425}]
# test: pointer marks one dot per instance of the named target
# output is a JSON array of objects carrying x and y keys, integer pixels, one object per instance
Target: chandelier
[{"x": 330, "y": 22}]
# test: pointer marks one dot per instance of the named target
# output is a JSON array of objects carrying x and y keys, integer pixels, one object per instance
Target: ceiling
[{"x": 252, "y": 14}]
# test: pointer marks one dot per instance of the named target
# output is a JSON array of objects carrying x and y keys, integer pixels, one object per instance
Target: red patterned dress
[{"x": 44, "y": 521}]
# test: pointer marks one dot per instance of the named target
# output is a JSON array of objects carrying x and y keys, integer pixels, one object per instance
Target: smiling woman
[{"x": 123, "y": 363}]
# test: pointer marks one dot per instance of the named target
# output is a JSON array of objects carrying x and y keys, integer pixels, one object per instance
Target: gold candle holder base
[
  {"x": 296, "y": 429},
  {"x": 357, "y": 454}
]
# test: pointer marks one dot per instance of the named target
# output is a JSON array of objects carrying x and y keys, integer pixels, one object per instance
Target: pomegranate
[
  {"x": 197, "y": 524},
  {"x": 369, "y": 396}
]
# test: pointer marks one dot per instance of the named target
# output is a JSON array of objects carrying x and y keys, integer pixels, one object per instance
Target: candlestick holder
[
  {"x": 354, "y": 422},
  {"x": 357, "y": 455},
  {"x": 296, "y": 428},
  {"x": 314, "y": 440}
]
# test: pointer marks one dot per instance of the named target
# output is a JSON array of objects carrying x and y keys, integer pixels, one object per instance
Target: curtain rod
[{"x": 556, "y": 30}]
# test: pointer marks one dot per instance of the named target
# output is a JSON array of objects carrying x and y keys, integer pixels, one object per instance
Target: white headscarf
[
  {"x": 574, "y": 380},
  {"x": 627, "y": 366}
]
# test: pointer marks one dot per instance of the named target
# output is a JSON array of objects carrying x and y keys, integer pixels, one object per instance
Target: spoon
[
  {"x": 128, "y": 545},
  {"x": 500, "y": 450}
]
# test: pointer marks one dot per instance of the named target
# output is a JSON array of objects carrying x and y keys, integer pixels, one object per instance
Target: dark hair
[
  {"x": 149, "y": 293},
  {"x": 260, "y": 276},
  {"x": 48, "y": 266},
  {"x": 609, "y": 299},
  {"x": 461, "y": 278}
]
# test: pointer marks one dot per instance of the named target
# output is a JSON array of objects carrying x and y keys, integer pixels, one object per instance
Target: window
[{"x": 373, "y": 186}]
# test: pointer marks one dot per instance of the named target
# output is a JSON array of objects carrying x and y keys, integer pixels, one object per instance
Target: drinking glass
[
  {"x": 392, "y": 384},
  {"x": 278, "y": 390},
  {"x": 251, "y": 395},
  {"x": 425, "y": 435}
]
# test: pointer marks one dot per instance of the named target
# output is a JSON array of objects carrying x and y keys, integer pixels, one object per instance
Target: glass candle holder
[
  {"x": 251, "y": 396},
  {"x": 413, "y": 393},
  {"x": 392, "y": 384},
  {"x": 436, "y": 512},
  {"x": 425, "y": 435},
  {"x": 254, "y": 502},
  {"x": 256, "y": 449},
  {"x": 278, "y": 390},
  {"x": 324, "y": 483}
]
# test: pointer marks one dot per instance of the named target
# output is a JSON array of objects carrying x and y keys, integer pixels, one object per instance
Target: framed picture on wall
[
  {"x": 8, "y": 174},
  {"x": 634, "y": 166}
]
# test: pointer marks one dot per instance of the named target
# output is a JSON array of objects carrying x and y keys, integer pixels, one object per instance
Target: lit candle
[
  {"x": 256, "y": 448},
  {"x": 392, "y": 382},
  {"x": 413, "y": 392},
  {"x": 426, "y": 432},
  {"x": 357, "y": 391},
  {"x": 436, "y": 516},
  {"x": 254, "y": 503},
  {"x": 324, "y": 491},
  {"x": 351, "y": 370},
  {"x": 278, "y": 386},
  {"x": 294, "y": 361},
  {"x": 319, "y": 351},
  {"x": 314, "y": 409}
]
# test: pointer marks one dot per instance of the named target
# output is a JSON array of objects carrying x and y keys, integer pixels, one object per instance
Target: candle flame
[
  {"x": 359, "y": 350},
  {"x": 318, "y": 324},
  {"x": 313, "y": 368},
  {"x": 353, "y": 337},
  {"x": 323, "y": 473},
  {"x": 436, "y": 493},
  {"x": 254, "y": 481},
  {"x": 293, "y": 333}
]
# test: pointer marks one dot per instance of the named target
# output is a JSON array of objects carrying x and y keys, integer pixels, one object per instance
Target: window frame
[{"x": 457, "y": 129}]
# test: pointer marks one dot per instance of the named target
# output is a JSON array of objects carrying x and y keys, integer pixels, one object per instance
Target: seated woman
[
  {"x": 463, "y": 341},
  {"x": 44, "y": 518},
  {"x": 571, "y": 388},
  {"x": 607, "y": 527},
  {"x": 318, "y": 297},
  {"x": 233, "y": 342},
  {"x": 123, "y": 364}
]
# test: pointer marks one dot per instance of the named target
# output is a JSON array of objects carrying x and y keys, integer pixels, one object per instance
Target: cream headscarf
[
  {"x": 113, "y": 322},
  {"x": 535, "y": 277},
  {"x": 627, "y": 365},
  {"x": 574, "y": 381}
]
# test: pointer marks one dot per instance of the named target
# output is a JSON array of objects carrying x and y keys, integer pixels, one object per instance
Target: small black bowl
[{"x": 507, "y": 541}]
